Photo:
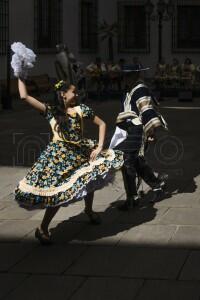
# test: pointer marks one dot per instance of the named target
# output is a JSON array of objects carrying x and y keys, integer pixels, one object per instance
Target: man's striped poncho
[{"x": 139, "y": 101}]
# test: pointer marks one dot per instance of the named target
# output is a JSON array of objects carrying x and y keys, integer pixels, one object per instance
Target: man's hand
[
  {"x": 154, "y": 134},
  {"x": 151, "y": 139}
]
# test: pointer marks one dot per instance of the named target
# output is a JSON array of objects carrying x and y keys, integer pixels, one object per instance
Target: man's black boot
[
  {"x": 130, "y": 203},
  {"x": 163, "y": 180},
  {"x": 157, "y": 194},
  {"x": 159, "y": 190}
]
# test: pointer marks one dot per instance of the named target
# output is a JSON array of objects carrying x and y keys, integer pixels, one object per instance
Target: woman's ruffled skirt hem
[{"x": 85, "y": 180}]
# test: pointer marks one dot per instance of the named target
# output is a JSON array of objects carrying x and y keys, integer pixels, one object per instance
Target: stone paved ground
[{"x": 150, "y": 253}]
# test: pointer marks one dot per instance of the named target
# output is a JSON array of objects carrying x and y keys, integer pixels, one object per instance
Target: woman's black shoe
[
  {"x": 94, "y": 217},
  {"x": 43, "y": 238}
]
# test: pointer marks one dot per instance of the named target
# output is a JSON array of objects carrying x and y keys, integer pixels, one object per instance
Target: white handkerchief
[{"x": 119, "y": 136}]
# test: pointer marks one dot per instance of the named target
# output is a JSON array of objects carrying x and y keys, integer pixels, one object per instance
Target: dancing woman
[{"x": 71, "y": 167}]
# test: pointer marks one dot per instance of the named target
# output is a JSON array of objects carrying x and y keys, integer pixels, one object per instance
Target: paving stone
[
  {"x": 191, "y": 269},
  {"x": 49, "y": 260},
  {"x": 155, "y": 263},
  {"x": 8, "y": 204},
  {"x": 129, "y": 262},
  {"x": 148, "y": 235},
  {"x": 97, "y": 261},
  {"x": 9, "y": 282},
  {"x": 9, "y": 175},
  {"x": 8, "y": 200},
  {"x": 12, "y": 172},
  {"x": 108, "y": 288},
  {"x": 101, "y": 234},
  {"x": 11, "y": 253},
  {"x": 16, "y": 213},
  {"x": 110, "y": 193},
  {"x": 16, "y": 230},
  {"x": 80, "y": 203},
  {"x": 9, "y": 179},
  {"x": 142, "y": 215},
  {"x": 181, "y": 216},
  {"x": 6, "y": 190},
  {"x": 46, "y": 287},
  {"x": 187, "y": 237},
  {"x": 107, "y": 197},
  {"x": 3, "y": 206},
  {"x": 169, "y": 290},
  {"x": 180, "y": 200}
]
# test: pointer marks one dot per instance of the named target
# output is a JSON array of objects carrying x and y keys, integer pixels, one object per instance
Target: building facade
[{"x": 41, "y": 24}]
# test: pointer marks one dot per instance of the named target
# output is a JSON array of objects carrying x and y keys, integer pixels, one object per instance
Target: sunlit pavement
[{"x": 152, "y": 252}]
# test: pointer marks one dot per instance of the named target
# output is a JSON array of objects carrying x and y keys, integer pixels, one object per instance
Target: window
[
  {"x": 48, "y": 24},
  {"x": 4, "y": 18},
  {"x": 133, "y": 27},
  {"x": 88, "y": 40},
  {"x": 186, "y": 24}
]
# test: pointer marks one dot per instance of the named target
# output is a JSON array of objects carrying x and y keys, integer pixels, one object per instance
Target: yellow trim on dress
[{"x": 56, "y": 136}]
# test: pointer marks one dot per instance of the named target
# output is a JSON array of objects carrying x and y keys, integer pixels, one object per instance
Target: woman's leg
[
  {"x": 89, "y": 202},
  {"x": 42, "y": 233},
  {"x": 48, "y": 216},
  {"x": 93, "y": 216}
]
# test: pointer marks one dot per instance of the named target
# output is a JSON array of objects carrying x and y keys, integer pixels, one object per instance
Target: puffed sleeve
[
  {"x": 49, "y": 111},
  {"x": 87, "y": 112}
]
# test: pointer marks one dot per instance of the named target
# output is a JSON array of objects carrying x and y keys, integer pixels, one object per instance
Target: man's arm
[{"x": 149, "y": 116}]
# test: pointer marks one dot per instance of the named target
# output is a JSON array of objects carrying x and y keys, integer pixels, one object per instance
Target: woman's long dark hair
[{"x": 60, "y": 109}]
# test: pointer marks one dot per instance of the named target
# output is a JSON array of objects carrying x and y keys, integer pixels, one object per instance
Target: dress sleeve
[
  {"x": 87, "y": 112},
  {"x": 48, "y": 113},
  {"x": 149, "y": 116}
]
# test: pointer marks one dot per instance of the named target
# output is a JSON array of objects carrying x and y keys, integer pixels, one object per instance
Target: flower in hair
[{"x": 59, "y": 84}]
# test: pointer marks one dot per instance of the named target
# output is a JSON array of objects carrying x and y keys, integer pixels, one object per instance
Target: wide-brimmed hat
[{"x": 134, "y": 68}]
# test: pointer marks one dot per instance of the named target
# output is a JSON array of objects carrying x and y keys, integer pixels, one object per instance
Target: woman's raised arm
[{"x": 31, "y": 100}]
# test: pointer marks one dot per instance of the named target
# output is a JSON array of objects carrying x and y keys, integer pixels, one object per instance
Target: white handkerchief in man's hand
[{"x": 119, "y": 136}]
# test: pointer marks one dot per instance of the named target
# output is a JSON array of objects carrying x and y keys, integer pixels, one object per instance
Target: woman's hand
[
  {"x": 95, "y": 153},
  {"x": 102, "y": 131}
]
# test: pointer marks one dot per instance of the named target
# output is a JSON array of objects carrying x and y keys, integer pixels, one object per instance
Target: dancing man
[{"x": 137, "y": 123}]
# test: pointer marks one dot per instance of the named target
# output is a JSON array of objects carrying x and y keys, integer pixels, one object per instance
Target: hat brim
[{"x": 129, "y": 71}]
